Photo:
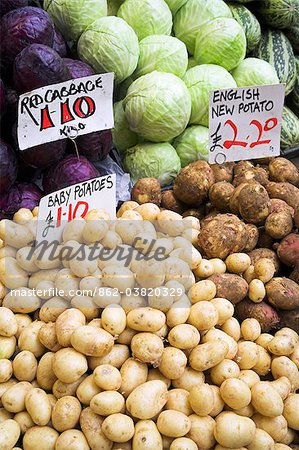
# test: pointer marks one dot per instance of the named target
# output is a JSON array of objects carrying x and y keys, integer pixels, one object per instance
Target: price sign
[
  {"x": 245, "y": 123},
  {"x": 73, "y": 202},
  {"x": 67, "y": 109}
]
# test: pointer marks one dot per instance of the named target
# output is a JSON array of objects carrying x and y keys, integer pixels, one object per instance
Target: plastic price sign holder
[
  {"x": 55, "y": 112},
  {"x": 73, "y": 202},
  {"x": 245, "y": 123}
]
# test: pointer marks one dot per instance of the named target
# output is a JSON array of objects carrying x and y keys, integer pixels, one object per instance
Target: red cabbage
[
  {"x": 70, "y": 170},
  {"x": 78, "y": 69},
  {"x": 20, "y": 195},
  {"x": 59, "y": 44},
  {"x": 8, "y": 5},
  {"x": 95, "y": 146},
  {"x": 8, "y": 166},
  {"x": 37, "y": 66},
  {"x": 44, "y": 155},
  {"x": 22, "y": 27},
  {"x": 2, "y": 99}
]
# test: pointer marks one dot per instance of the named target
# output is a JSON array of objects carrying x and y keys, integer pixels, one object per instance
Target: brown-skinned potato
[
  {"x": 283, "y": 293},
  {"x": 220, "y": 194},
  {"x": 230, "y": 286},
  {"x": 193, "y": 182},
  {"x": 281, "y": 169}
]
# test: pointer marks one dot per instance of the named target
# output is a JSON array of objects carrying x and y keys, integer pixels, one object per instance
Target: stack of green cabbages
[{"x": 167, "y": 56}]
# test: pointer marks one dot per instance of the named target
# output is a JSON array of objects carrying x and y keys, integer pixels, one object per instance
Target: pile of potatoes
[
  {"x": 246, "y": 207},
  {"x": 153, "y": 358}
]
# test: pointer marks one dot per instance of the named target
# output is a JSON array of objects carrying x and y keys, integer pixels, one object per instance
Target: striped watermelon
[
  {"x": 279, "y": 13},
  {"x": 293, "y": 35},
  {"x": 293, "y": 98},
  {"x": 249, "y": 23},
  {"x": 275, "y": 48},
  {"x": 289, "y": 130}
]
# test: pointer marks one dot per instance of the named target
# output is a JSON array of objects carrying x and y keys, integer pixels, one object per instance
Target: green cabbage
[
  {"x": 175, "y": 5},
  {"x": 192, "y": 144},
  {"x": 147, "y": 17},
  {"x": 123, "y": 137},
  {"x": 154, "y": 161},
  {"x": 162, "y": 53},
  {"x": 201, "y": 80},
  {"x": 191, "y": 63},
  {"x": 113, "y": 7},
  {"x": 221, "y": 41},
  {"x": 72, "y": 17},
  {"x": 195, "y": 13},
  {"x": 254, "y": 72},
  {"x": 158, "y": 106},
  {"x": 110, "y": 45}
]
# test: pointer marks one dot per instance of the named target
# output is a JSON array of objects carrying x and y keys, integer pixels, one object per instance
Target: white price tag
[
  {"x": 245, "y": 123},
  {"x": 73, "y": 202},
  {"x": 67, "y": 109}
]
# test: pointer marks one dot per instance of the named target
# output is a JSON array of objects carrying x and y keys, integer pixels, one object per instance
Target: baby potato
[
  {"x": 277, "y": 426},
  {"x": 147, "y": 347},
  {"x": 8, "y": 322},
  {"x": 147, "y": 436},
  {"x": 9, "y": 434},
  {"x": 295, "y": 355},
  {"x": 173, "y": 423},
  {"x": 13, "y": 399},
  {"x": 52, "y": 309},
  {"x": 107, "y": 377},
  {"x": 94, "y": 231},
  {"x": 120, "y": 278},
  {"x": 202, "y": 290},
  {"x": 118, "y": 427},
  {"x": 232, "y": 328},
  {"x": 73, "y": 231},
  {"x": 179, "y": 312},
  {"x": 11, "y": 274},
  {"x": 281, "y": 345},
  {"x": 223, "y": 371},
  {"x": 283, "y": 366},
  {"x": 7, "y": 346},
  {"x": 290, "y": 411},
  {"x": 38, "y": 406},
  {"x": 61, "y": 389},
  {"x": 155, "y": 374},
  {"x": 205, "y": 356},
  {"x": 261, "y": 441},
  {"x": 217, "y": 335},
  {"x": 283, "y": 386},
  {"x": 91, "y": 282},
  {"x": 235, "y": 393},
  {"x": 263, "y": 365},
  {"x": 173, "y": 363},
  {"x": 116, "y": 357},
  {"x": 256, "y": 290},
  {"x": 201, "y": 399},
  {"x": 184, "y": 336},
  {"x": 266, "y": 400},
  {"x": 66, "y": 413},
  {"x": 86, "y": 305},
  {"x": 203, "y": 315},
  {"x": 204, "y": 269},
  {"x": 183, "y": 444},
  {"x": 43, "y": 438},
  {"x": 22, "y": 300},
  {"x": 67, "y": 322},
  {"x": 170, "y": 223},
  {"x": 178, "y": 400},
  {"x": 264, "y": 269},
  {"x": 91, "y": 425},
  {"x": 250, "y": 329},
  {"x": 264, "y": 339},
  {"x": 234, "y": 431},
  {"x": 107, "y": 402},
  {"x": 48, "y": 338},
  {"x": 25, "y": 366},
  {"x": 249, "y": 275},
  {"x": 178, "y": 270},
  {"x": 114, "y": 320},
  {"x": 237, "y": 262},
  {"x": 147, "y": 399},
  {"x": 66, "y": 283},
  {"x": 44, "y": 374},
  {"x": 106, "y": 297},
  {"x": 126, "y": 336},
  {"x": 6, "y": 370},
  {"x": 92, "y": 341},
  {"x": 29, "y": 340},
  {"x": 72, "y": 440},
  {"x": 247, "y": 355},
  {"x": 218, "y": 265},
  {"x": 202, "y": 431},
  {"x": 224, "y": 308},
  {"x": 24, "y": 420},
  {"x": 133, "y": 373},
  {"x": 69, "y": 365},
  {"x": 26, "y": 260},
  {"x": 14, "y": 234},
  {"x": 288, "y": 332}
]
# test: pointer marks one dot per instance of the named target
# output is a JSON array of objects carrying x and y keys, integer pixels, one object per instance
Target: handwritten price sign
[
  {"x": 245, "y": 123},
  {"x": 73, "y": 202},
  {"x": 67, "y": 109}
]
